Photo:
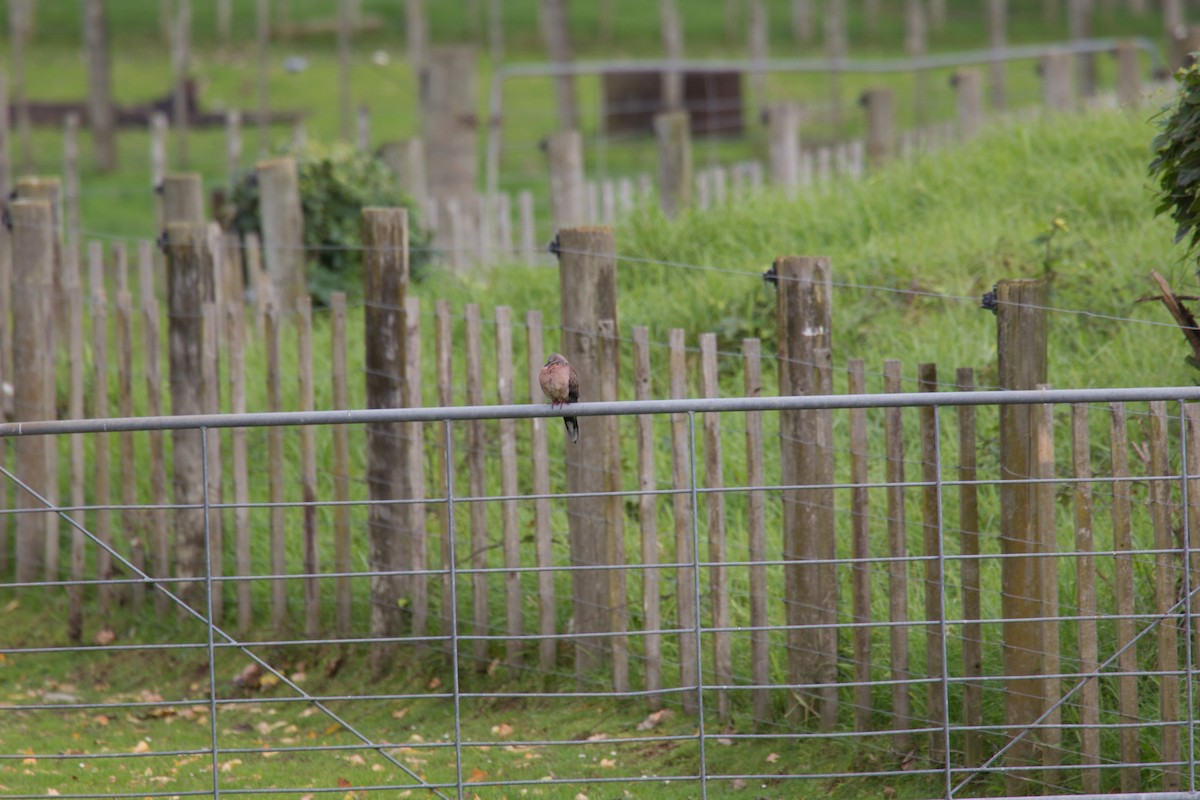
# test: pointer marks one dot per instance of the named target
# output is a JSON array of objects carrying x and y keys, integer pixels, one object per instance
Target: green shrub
[
  {"x": 336, "y": 183},
  {"x": 1176, "y": 163}
]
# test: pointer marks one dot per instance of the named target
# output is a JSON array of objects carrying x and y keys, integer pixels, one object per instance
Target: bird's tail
[{"x": 572, "y": 424}]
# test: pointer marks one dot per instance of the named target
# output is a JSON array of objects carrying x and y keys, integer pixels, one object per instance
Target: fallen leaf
[
  {"x": 343, "y": 783},
  {"x": 503, "y": 729},
  {"x": 227, "y": 766},
  {"x": 334, "y": 728},
  {"x": 597, "y": 737},
  {"x": 737, "y": 783},
  {"x": 400, "y": 713},
  {"x": 725, "y": 741},
  {"x": 434, "y": 682},
  {"x": 772, "y": 758},
  {"x": 356, "y": 760},
  {"x": 142, "y": 747},
  {"x": 477, "y": 775},
  {"x": 581, "y": 796},
  {"x": 12, "y": 606},
  {"x": 105, "y": 637},
  {"x": 654, "y": 719},
  {"x": 268, "y": 681},
  {"x": 608, "y": 763},
  {"x": 52, "y": 792}
]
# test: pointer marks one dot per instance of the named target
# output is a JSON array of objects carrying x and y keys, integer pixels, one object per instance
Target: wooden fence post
[
  {"x": 860, "y": 577},
  {"x": 543, "y": 541},
  {"x": 968, "y": 89},
  {"x": 416, "y": 31},
  {"x": 33, "y": 354},
  {"x": 783, "y": 134},
  {"x": 881, "y": 126},
  {"x": 282, "y": 231},
  {"x": 917, "y": 46},
  {"x": 553, "y": 19},
  {"x": 1079, "y": 29},
  {"x": 385, "y": 285},
  {"x": 1129, "y": 75},
  {"x": 190, "y": 260},
  {"x": 1058, "y": 91},
  {"x": 476, "y": 483},
  {"x": 450, "y": 124},
  {"x": 805, "y": 320},
  {"x": 588, "y": 294},
  {"x": 1021, "y": 351},
  {"x": 674, "y": 162},
  {"x": 968, "y": 525},
  {"x": 608, "y": 361},
  {"x": 1085, "y": 598},
  {"x": 100, "y": 520},
  {"x": 341, "y": 462},
  {"x": 406, "y": 158},
  {"x": 648, "y": 520},
  {"x": 760, "y": 638},
  {"x": 672, "y": 41},
  {"x": 509, "y": 522},
  {"x": 308, "y": 466},
  {"x": 1123, "y": 582},
  {"x": 714, "y": 479},
  {"x": 414, "y": 443},
  {"x": 182, "y": 198},
  {"x": 935, "y": 585},
  {"x": 1167, "y": 580},
  {"x": 685, "y": 553},
  {"x": 997, "y": 24},
  {"x": 564, "y": 151},
  {"x": 897, "y": 568},
  {"x": 101, "y": 119},
  {"x": 757, "y": 41}
]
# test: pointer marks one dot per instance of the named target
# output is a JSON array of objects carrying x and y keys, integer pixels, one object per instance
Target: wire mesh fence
[{"x": 948, "y": 676}]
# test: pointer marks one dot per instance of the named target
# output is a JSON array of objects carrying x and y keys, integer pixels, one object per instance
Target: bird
[{"x": 560, "y": 383}]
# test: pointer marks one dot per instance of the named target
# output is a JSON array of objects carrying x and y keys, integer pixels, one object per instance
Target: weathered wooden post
[
  {"x": 1021, "y": 352},
  {"x": 406, "y": 158},
  {"x": 881, "y": 125},
  {"x": 783, "y": 135},
  {"x": 100, "y": 109},
  {"x": 20, "y": 20},
  {"x": 672, "y": 40},
  {"x": 835, "y": 50},
  {"x": 1079, "y": 29},
  {"x": 416, "y": 33},
  {"x": 233, "y": 146},
  {"x": 189, "y": 261},
  {"x": 564, "y": 151},
  {"x": 450, "y": 130},
  {"x": 181, "y": 38},
  {"x": 674, "y": 162},
  {"x": 33, "y": 354},
  {"x": 1129, "y": 75},
  {"x": 1058, "y": 91},
  {"x": 758, "y": 52},
  {"x": 968, "y": 89},
  {"x": 553, "y": 18},
  {"x": 997, "y": 23},
  {"x": 917, "y": 46},
  {"x": 262, "y": 51},
  {"x": 802, "y": 20},
  {"x": 588, "y": 294},
  {"x": 804, "y": 312},
  {"x": 385, "y": 285},
  {"x": 282, "y": 218},
  {"x": 182, "y": 198}
]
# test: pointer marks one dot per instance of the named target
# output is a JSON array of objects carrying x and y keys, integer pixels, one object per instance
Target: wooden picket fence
[{"x": 864, "y": 648}]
